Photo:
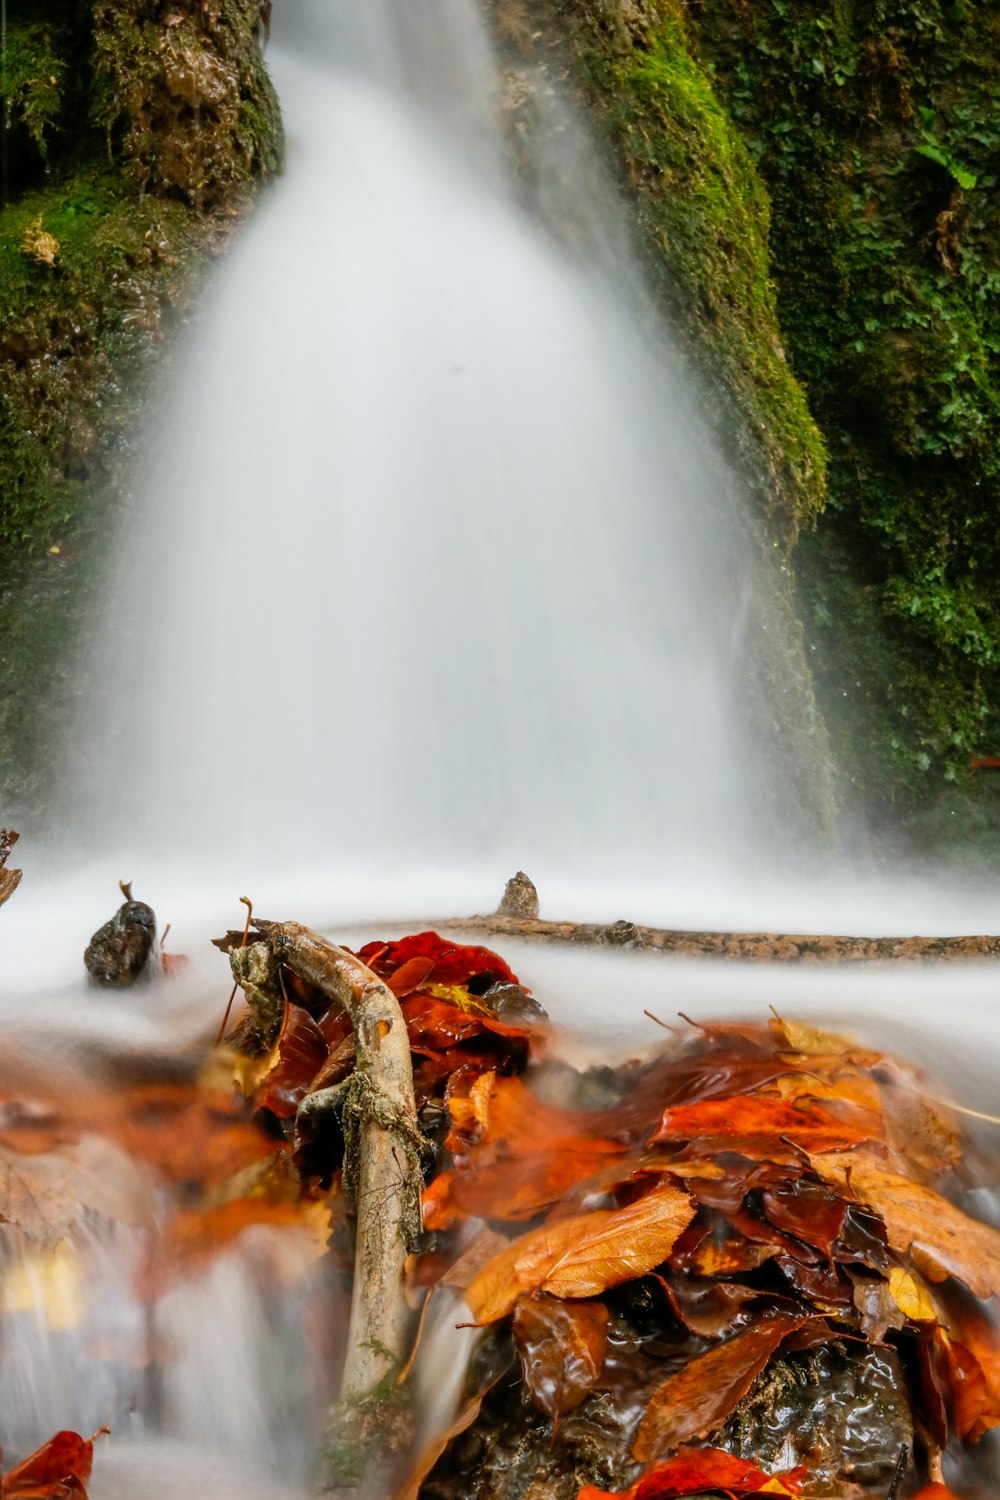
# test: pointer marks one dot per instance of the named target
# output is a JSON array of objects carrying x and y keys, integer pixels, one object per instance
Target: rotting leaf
[
  {"x": 698, "y": 1398},
  {"x": 561, "y": 1345},
  {"x": 584, "y": 1255}
]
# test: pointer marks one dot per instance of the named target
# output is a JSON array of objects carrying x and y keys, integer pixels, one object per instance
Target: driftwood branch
[
  {"x": 517, "y": 917},
  {"x": 383, "y": 1146}
]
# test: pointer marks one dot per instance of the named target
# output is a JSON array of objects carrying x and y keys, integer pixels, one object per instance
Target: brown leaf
[
  {"x": 699, "y": 1398},
  {"x": 942, "y": 1240},
  {"x": 584, "y": 1255},
  {"x": 562, "y": 1347},
  {"x": 37, "y": 1195}
]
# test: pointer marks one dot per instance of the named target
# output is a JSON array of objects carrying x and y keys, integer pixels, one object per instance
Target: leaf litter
[{"x": 668, "y": 1243}]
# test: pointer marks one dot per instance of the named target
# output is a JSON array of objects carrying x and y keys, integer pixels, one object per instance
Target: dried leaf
[
  {"x": 37, "y": 1194},
  {"x": 942, "y": 1240},
  {"x": 698, "y": 1398},
  {"x": 701, "y": 1469},
  {"x": 584, "y": 1255},
  {"x": 810, "y": 1042},
  {"x": 561, "y": 1345}
]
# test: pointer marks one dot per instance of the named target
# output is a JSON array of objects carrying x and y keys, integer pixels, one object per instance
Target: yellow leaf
[{"x": 910, "y": 1297}]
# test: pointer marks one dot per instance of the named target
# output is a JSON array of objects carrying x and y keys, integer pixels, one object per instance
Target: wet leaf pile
[{"x": 740, "y": 1266}]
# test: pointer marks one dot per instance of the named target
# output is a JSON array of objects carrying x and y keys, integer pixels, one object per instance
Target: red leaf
[
  {"x": 453, "y": 962},
  {"x": 411, "y": 975},
  {"x": 300, "y": 1053},
  {"x": 700, "y": 1469}
]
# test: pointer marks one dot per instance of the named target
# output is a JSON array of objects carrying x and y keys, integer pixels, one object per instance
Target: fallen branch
[
  {"x": 517, "y": 917},
  {"x": 382, "y": 1167}
]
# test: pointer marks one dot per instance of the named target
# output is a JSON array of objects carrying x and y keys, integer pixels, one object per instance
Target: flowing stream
[{"x": 431, "y": 574}]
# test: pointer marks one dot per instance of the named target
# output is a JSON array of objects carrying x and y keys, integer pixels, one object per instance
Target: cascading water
[{"x": 430, "y": 561}]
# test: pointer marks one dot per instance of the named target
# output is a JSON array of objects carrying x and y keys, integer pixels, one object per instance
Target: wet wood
[
  {"x": 760, "y": 947},
  {"x": 388, "y": 1180}
]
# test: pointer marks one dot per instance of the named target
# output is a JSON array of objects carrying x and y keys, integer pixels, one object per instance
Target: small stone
[
  {"x": 619, "y": 934},
  {"x": 124, "y": 949},
  {"x": 520, "y": 899}
]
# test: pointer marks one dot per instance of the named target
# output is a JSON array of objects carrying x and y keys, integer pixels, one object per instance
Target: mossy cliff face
[
  {"x": 815, "y": 189},
  {"x": 702, "y": 215},
  {"x": 135, "y": 133},
  {"x": 875, "y": 128}
]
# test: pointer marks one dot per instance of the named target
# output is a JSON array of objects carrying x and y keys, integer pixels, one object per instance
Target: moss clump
[
  {"x": 189, "y": 99},
  {"x": 875, "y": 130},
  {"x": 703, "y": 218}
]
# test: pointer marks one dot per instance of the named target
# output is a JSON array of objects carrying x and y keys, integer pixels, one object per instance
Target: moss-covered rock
[
  {"x": 103, "y": 240},
  {"x": 875, "y": 130}
]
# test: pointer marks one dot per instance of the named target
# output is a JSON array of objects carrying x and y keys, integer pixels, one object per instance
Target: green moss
[
  {"x": 705, "y": 216},
  {"x": 876, "y": 133},
  {"x": 34, "y": 74},
  {"x": 703, "y": 221},
  {"x": 190, "y": 102}
]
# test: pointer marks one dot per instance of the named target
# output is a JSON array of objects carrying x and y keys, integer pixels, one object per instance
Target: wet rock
[
  {"x": 841, "y": 1411},
  {"x": 124, "y": 949},
  {"x": 520, "y": 899}
]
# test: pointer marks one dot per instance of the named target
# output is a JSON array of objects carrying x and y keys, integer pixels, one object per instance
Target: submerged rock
[{"x": 124, "y": 950}]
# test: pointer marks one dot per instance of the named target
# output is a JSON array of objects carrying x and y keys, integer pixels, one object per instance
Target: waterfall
[{"x": 430, "y": 561}]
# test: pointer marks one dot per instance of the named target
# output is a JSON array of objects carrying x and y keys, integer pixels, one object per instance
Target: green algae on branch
[{"x": 702, "y": 214}]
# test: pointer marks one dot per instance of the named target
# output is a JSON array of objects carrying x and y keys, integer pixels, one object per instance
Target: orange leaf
[
  {"x": 700, "y": 1469},
  {"x": 699, "y": 1398},
  {"x": 942, "y": 1240},
  {"x": 582, "y": 1256},
  {"x": 64, "y": 1458},
  {"x": 936, "y": 1492},
  {"x": 749, "y": 1122}
]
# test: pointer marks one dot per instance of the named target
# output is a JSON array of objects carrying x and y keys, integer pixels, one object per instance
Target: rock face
[{"x": 124, "y": 950}]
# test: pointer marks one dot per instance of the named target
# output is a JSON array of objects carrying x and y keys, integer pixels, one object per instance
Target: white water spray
[{"x": 430, "y": 563}]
